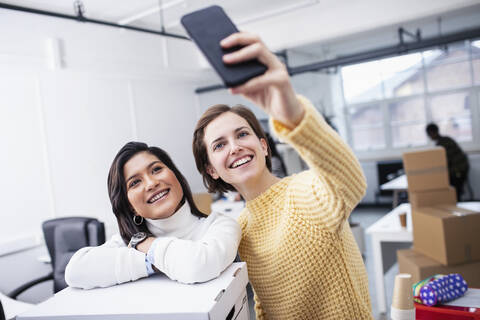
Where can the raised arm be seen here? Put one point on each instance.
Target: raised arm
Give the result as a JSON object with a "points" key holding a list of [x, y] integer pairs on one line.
{"points": [[297, 121], [106, 265], [326, 154]]}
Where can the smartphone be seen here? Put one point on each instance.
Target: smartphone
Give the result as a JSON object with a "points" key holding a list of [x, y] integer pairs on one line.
{"points": [[207, 27]]}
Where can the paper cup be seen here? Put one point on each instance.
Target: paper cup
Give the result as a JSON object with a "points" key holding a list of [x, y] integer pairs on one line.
{"points": [[403, 292], [397, 314]]}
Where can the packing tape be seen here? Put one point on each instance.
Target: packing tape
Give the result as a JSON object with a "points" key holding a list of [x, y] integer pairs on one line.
{"points": [[425, 171], [398, 314]]}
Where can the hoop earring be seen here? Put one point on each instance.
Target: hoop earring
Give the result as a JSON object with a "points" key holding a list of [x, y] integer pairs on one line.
{"points": [[135, 220]]}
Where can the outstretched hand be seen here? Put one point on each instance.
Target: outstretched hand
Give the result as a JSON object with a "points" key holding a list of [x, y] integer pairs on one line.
{"points": [[271, 91]]}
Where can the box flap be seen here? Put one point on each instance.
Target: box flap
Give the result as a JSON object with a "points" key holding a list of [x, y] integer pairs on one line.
{"points": [[445, 211], [424, 159], [456, 211], [445, 196]]}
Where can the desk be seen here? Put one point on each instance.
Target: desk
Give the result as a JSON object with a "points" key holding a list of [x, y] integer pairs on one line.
{"points": [[156, 297], [388, 229], [397, 185]]}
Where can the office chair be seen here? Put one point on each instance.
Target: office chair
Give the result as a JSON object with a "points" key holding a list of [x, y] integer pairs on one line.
{"points": [[63, 237]]}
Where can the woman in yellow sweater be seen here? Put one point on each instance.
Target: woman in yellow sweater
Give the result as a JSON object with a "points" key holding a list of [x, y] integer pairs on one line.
{"points": [[302, 259]]}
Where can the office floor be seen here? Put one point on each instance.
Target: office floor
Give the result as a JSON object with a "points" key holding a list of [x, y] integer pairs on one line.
{"points": [[366, 217]]}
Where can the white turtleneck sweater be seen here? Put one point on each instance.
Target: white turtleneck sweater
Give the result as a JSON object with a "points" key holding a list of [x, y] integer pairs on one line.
{"points": [[188, 249]]}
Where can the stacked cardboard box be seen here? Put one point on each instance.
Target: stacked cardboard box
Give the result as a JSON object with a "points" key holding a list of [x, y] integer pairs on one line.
{"points": [[420, 267], [446, 238]]}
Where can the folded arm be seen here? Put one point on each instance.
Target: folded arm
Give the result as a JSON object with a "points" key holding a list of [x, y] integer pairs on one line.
{"points": [[106, 265], [200, 260]]}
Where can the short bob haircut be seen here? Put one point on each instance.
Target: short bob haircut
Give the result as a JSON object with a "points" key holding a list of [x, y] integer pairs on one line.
{"points": [[432, 128], [200, 150], [117, 189]]}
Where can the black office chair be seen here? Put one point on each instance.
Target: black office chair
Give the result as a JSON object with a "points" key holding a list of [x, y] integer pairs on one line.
{"points": [[63, 237]]}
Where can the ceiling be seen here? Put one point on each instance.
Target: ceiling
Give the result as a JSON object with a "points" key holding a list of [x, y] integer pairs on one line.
{"points": [[281, 23]]}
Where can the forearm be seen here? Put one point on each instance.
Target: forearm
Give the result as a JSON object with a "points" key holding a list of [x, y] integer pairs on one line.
{"points": [[191, 261], [104, 267], [326, 153]]}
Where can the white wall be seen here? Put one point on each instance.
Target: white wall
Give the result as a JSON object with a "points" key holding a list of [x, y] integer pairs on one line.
{"points": [[62, 126]]}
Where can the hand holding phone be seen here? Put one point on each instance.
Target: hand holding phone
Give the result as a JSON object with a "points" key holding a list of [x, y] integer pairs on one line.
{"points": [[207, 27]]}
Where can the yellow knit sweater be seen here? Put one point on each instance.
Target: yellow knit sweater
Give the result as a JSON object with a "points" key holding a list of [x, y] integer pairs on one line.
{"points": [[302, 259]]}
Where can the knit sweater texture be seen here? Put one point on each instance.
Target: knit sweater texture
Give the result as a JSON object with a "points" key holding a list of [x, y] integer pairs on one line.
{"points": [[302, 258]]}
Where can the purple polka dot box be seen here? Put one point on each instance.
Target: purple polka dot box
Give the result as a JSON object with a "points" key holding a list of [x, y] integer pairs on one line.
{"points": [[443, 289]]}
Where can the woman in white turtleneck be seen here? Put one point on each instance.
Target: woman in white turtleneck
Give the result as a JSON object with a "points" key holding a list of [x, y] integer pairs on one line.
{"points": [[159, 221]]}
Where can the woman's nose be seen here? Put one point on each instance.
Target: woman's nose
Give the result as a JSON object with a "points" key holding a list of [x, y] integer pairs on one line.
{"points": [[150, 182], [234, 147]]}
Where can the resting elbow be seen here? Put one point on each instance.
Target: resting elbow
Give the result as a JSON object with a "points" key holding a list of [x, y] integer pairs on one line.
{"points": [[74, 276], [197, 275]]}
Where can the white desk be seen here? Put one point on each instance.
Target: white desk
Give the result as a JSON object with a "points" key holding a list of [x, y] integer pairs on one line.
{"points": [[396, 185], [151, 298], [388, 229]]}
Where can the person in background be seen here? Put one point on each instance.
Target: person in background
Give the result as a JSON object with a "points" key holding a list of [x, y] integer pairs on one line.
{"points": [[161, 224], [457, 160], [303, 261]]}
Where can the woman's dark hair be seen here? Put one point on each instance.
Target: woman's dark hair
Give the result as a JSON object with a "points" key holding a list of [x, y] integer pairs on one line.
{"points": [[117, 190], [200, 150], [282, 170]]}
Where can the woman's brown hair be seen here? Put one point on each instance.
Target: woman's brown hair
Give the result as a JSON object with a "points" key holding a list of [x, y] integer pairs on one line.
{"points": [[200, 150]]}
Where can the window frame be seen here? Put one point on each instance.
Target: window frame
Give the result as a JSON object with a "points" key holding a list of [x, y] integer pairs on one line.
{"points": [[394, 152]]}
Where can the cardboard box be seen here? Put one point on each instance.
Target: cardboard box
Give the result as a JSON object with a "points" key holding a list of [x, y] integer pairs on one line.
{"points": [[421, 267], [155, 297], [426, 169], [447, 233], [432, 197]]}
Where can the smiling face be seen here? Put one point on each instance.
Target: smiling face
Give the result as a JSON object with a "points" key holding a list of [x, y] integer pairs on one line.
{"points": [[235, 153], [152, 188]]}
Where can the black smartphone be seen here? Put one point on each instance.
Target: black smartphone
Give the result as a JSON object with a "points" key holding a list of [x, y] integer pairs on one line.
{"points": [[207, 27]]}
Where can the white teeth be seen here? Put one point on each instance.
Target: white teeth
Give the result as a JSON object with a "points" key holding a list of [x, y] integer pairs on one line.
{"points": [[158, 196], [241, 161]]}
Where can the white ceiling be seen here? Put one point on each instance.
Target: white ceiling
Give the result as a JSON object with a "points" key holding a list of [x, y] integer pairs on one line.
{"points": [[281, 23]]}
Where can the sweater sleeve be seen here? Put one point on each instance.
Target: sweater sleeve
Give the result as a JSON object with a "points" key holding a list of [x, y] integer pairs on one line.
{"points": [[259, 312], [331, 160], [190, 261], [106, 265]]}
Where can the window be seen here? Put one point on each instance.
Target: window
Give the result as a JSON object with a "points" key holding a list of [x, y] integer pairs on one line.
{"points": [[367, 127], [452, 114], [448, 68], [402, 76], [361, 82], [407, 120], [410, 91], [475, 51]]}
